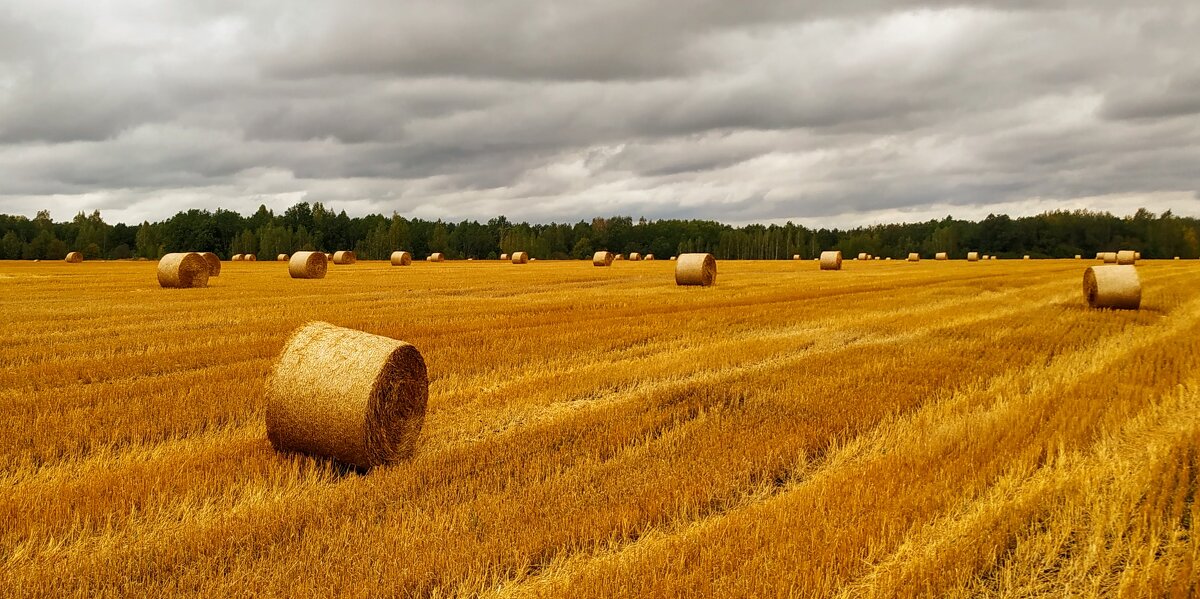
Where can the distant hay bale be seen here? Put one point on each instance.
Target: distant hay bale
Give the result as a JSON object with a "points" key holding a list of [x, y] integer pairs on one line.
{"points": [[344, 257], [74, 257], [602, 259], [1109, 257], [1025, 257], [649, 257], [1112, 286], [504, 256], [695, 269], [674, 258], [183, 270], [972, 256], [888, 258], [520, 257], [533, 259], [634, 256], [436, 257], [308, 265], [238, 257], [281, 258], [863, 256], [1078, 256], [1137, 255], [344, 394], [941, 256], [214, 263], [618, 257], [1176, 257], [401, 258], [914, 257], [831, 260], [794, 257], [1126, 257], [250, 258], [1099, 255]]}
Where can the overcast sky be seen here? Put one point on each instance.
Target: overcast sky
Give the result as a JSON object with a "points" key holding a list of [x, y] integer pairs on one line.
{"points": [[821, 112]]}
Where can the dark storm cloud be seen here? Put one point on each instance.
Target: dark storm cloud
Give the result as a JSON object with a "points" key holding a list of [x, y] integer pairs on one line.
{"points": [[735, 111]]}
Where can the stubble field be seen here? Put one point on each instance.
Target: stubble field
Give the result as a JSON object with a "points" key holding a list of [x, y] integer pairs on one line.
{"points": [[940, 428]]}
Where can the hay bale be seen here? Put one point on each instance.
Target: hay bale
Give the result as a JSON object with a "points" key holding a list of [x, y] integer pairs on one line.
{"points": [[74, 257], [1137, 255], [400, 258], [941, 256], [183, 270], [602, 259], [831, 260], [344, 394], [1109, 257], [674, 258], [619, 257], [1176, 257], [250, 258], [1126, 257], [308, 265], [1025, 257], [214, 263], [1078, 256], [533, 259], [344, 257], [237, 257], [520, 257], [1112, 286], [862, 256], [972, 256], [695, 269], [436, 257], [914, 257], [648, 257], [281, 258], [504, 256], [1099, 255], [794, 257], [634, 256]]}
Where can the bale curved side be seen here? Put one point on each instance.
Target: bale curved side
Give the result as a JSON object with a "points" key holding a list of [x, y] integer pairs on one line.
{"points": [[635, 256], [602, 259], [281, 257], [437, 257], [74, 257], [520, 257], [972, 256], [401, 258], [344, 257], [914, 257], [695, 269], [1112, 286], [941, 256], [214, 263], [308, 265], [831, 260], [1126, 257], [250, 258], [344, 394], [1109, 257], [183, 270], [237, 257]]}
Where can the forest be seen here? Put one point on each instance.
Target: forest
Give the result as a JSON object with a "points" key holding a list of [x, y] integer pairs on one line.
{"points": [[306, 226]]}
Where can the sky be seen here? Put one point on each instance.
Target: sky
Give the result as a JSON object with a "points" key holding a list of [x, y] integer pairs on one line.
{"points": [[825, 113]]}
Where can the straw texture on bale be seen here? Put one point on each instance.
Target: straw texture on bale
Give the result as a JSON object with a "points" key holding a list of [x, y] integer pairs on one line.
{"points": [[437, 257], [695, 269], [1112, 286], [344, 257], [520, 257], [504, 256], [401, 258], [214, 263], [1137, 255], [348, 395], [914, 257], [250, 258], [183, 270], [649, 257], [1109, 257], [831, 260], [635, 256], [1099, 255], [74, 257], [972, 256], [281, 258], [941, 256], [308, 265], [862, 255], [237, 257], [602, 259], [1126, 257]]}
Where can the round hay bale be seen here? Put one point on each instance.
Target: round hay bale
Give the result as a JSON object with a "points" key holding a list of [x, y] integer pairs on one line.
{"points": [[618, 257], [888, 258], [972, 256], [1109, 257], [437, 257], [214, 263], [74, 257], [504, 256], [1112, 286], [281, 258], [634, 256], [649, 257], [1025, 257], [520, 257], [914, 257], [1079, 256], [343, 394], [1099, 255], [1137, 255], [308, 265], [863, 256], [533, 259], [1176, 257], [695, 269], [831, 260], [1126, 257], [941, 256], [344, 257], [250, 258], [794, 257], [237, 257], [183, 270], [401, 258], [602, 259], [674, 258]]}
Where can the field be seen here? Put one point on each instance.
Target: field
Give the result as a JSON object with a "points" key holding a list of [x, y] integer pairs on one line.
{"points": [[940, 428]]}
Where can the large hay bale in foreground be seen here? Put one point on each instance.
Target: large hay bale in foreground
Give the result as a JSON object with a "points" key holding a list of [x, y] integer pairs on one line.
{"points": [[344, 257], [972, 256], [214, 263], [602, 259], [520, 257], [436, 257], [308, 265], [74, 257], [695, 269], [831, 260], [281, 257], [401, 258], [941, 256], [183, 270], [1112, 286], [1109, 257], [914, 257], [348, 395], [1126, 257]]}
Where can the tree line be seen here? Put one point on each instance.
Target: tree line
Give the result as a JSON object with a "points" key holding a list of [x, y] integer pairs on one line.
{"points": [[305, 226]]}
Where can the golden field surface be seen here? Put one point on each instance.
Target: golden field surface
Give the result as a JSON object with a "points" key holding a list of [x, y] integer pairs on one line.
{"points": [[892, 429]]}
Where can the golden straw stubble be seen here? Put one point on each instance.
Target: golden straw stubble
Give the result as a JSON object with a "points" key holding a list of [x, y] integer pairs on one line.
{"points": [[348, 395], [1112, 286], [183, 270], [308, 265], [696, 269]]}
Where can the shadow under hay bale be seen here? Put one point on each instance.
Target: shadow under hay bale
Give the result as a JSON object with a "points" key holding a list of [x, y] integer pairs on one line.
{"points": [[182, 271], [695, 269], [1112, 286], [347, 395], [308, 265]]}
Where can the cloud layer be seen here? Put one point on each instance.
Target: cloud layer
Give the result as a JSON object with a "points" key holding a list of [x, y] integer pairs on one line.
{"points": [[826, 113]]}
